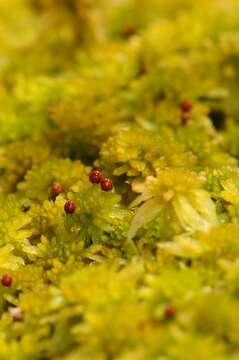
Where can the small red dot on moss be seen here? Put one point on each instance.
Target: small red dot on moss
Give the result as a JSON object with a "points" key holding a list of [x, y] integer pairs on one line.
{"points": [[70, 207], [186, 106], [6, 280], [95, 176], [129, 31], [169, 312], [57, 188], [106, 184]]}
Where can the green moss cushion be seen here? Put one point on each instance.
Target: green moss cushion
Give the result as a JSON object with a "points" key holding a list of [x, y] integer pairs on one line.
{"points": [[138, 260]]}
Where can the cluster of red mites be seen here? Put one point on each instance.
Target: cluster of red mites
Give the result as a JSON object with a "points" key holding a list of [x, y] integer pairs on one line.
{"points": [[97, 178], [70, 206], [186, 107], [57, 189]]}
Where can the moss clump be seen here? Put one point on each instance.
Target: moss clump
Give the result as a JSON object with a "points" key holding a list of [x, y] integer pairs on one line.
{"points": [[146, 92]]}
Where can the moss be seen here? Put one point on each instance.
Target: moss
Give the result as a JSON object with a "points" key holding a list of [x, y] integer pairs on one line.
{"points": [[98, 84]]}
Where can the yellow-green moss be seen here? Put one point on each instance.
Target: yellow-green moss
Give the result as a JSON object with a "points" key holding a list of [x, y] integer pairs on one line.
{"points": [[86, 83]]}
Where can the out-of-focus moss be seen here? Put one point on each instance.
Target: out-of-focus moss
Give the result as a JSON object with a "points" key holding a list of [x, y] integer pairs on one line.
{"points": [[147, 270]]}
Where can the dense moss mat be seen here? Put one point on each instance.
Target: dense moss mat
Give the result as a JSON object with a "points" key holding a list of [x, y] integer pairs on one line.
{"points": [[147, 92]]}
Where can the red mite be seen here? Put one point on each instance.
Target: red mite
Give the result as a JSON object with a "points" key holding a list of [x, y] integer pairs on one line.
{"points": [[106, 184], [95, 176], [169, 312], [57, 188], [186, 106], [129, 31], [6, 280], [70, 207]]}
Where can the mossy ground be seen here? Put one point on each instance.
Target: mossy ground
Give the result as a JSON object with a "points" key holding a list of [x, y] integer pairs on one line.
{"points": [[149, 270]]}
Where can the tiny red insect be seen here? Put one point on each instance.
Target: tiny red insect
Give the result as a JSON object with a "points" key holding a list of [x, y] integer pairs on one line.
{"points": [[70, 207], [106, 184], [95, 176], [186, 106], [169, 312], [57, 188], [6, 280], [129, 31]]}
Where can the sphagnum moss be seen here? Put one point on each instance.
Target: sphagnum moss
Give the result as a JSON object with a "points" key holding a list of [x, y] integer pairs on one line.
{"points": [[139, 257]]}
